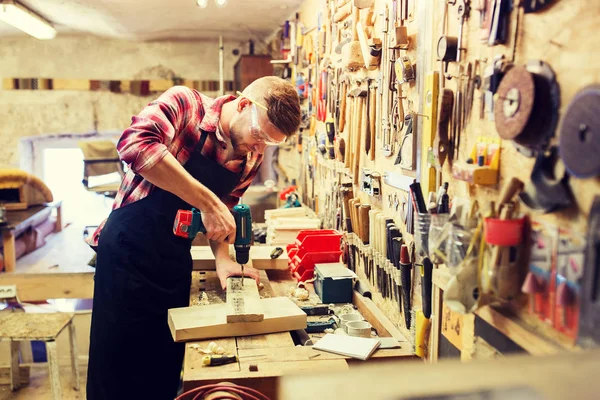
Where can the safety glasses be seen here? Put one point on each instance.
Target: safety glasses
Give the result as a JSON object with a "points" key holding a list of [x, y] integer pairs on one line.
{"points": [[255, 131]]}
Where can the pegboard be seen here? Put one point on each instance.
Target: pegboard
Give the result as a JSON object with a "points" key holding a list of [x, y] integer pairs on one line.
{"points": [[561, 35]]}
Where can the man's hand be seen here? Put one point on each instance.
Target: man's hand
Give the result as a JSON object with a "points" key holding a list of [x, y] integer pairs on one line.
{"points": [[219, 223], [227, 267]]}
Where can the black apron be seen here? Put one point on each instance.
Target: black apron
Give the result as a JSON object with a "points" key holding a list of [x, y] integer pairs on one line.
{"points": [[142, 270]]}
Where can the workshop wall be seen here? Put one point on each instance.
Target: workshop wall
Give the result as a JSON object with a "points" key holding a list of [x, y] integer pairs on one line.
{"points": [[560, 35], [30, 113]]}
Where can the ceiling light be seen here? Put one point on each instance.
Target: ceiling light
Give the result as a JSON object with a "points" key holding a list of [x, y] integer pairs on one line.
{"points": [[202, 3], [220, 3], [26, 20]]}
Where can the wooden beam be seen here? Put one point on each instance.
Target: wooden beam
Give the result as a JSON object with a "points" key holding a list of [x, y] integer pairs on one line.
{"points": [[57, 285], [243, 301], [376, 317], [203, 258], [205, 322]]}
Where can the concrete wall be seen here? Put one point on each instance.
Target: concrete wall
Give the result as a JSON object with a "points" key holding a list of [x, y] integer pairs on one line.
{"points": [[32, 113]]}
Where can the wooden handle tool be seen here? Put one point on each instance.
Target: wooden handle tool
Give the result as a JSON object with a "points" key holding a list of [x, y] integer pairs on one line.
{"points": [[363, 215]]}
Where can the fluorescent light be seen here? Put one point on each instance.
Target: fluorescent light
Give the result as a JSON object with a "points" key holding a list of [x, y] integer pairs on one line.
{"points": [[221, 3], [26, 20], [202, 3]]}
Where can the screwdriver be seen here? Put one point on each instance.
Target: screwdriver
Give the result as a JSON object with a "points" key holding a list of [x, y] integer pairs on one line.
{"points": [[217, 359]]}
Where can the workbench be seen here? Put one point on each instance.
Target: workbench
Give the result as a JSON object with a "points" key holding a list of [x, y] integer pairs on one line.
{"points": [[274, 355], [21, 220]]}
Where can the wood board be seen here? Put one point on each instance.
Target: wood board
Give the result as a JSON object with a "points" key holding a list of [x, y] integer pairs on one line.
{"points": [[203, 258], [243, 301], [205, 322]]}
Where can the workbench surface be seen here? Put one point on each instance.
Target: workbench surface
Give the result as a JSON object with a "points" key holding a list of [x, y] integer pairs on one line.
{"points": [[273, 354]]}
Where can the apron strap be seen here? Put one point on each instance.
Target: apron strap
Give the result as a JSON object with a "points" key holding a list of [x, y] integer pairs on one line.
{"points": [[202, 140]]}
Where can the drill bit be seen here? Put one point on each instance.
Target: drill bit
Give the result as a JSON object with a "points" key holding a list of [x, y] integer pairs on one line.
{"points": [[242, 265]]}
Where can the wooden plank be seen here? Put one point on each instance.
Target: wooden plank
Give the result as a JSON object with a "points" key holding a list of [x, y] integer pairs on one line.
{"points": [[23, 375], [204, 322], [43, 286], [376, 318], [203, 258], [269, 341], [528, 340], [32, 326], [243, 301], [565, 376]]}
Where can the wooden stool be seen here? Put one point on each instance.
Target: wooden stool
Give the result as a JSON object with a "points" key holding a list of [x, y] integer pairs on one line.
{"points": [[19, 326]]}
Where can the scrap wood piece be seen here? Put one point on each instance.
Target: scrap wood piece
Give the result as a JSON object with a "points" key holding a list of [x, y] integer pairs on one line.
{"points": [[206, 322], [243, 301]]}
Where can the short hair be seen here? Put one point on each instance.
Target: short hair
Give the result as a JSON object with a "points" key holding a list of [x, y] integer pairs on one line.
{"points": [[281, 99]]}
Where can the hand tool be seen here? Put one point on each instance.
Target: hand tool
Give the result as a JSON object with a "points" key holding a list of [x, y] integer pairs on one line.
{"points": [[499, 24], [319, 309], [362, 288], [589, 320], [368, 132], [579, 141], [189, 222], [526, 107], [363, 216], [426, 285], [393, 234], [429, 124], [218, 359], [373, 242], [373, 118], [343, 105], [441, 145], [399, 36], [463, 11], [352, 53], [408, 123], [548, 189], [405, 272], [397, 244], [277, 251], [320, 326]]}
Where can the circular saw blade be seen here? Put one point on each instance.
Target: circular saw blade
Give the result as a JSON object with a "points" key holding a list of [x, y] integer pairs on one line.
{"points": [[580, 134]]}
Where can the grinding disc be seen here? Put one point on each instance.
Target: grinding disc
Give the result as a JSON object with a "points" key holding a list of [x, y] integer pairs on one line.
{"points": [[580, 134], [514, 104], [526, 108]]}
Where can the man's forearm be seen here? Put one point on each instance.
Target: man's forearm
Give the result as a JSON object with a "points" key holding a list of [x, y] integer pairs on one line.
{"points": [[169, 175], [220, 250]]}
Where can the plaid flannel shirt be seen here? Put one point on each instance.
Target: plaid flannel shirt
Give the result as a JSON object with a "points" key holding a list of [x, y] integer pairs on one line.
{"points": [[172, 124]]}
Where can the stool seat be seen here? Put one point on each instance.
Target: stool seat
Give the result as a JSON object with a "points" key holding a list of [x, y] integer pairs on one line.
{"points": [[21, 326], [32, 326]]}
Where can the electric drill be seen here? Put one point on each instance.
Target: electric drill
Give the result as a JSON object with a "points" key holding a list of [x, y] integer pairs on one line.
{"points": [[189, 222]]}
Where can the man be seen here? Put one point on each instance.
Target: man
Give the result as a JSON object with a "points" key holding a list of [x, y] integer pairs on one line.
{"points": [[184, 150]]}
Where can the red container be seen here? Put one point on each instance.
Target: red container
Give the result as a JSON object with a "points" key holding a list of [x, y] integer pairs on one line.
{"points": [[504, 232], [303, 268]]}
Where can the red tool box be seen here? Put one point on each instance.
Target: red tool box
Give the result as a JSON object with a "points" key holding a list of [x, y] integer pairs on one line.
{"points": [[313, 246]]}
